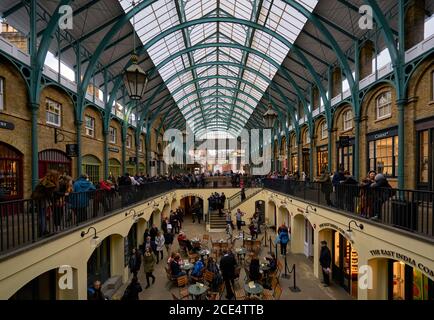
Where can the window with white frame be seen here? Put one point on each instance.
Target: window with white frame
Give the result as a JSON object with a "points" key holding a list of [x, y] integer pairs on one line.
{"points": [[2, 94], [53, 111], [129, 140], [90, 126], [324, 130], [348, 120], [384, 105], [112, 135]]}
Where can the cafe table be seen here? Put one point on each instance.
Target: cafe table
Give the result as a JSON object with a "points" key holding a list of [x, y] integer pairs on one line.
{"points": [[187, 266], [197, 290], [253, 288]]}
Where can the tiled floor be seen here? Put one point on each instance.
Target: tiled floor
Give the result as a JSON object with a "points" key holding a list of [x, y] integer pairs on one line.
{"points": [[311, 287]]}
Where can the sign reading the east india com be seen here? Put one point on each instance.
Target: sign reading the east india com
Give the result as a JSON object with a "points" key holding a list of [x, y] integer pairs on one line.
{"points": [[399, 256]]}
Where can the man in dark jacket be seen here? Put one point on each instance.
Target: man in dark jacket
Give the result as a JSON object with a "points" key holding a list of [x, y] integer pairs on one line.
{"points": [[325, 260], [382, 192], [133, 289], [338, 179], [227, 267], [153, 232], [95, 292], [135, 262]]}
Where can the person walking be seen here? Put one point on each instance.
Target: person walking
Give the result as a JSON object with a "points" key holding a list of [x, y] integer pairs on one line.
{"points": [[135, 262], [168, 240], [325, 260], [227, 267], [239, 218], [159, 241], [95, 293], [133, 290], [148, 265], [153, 232], [283, 239]]}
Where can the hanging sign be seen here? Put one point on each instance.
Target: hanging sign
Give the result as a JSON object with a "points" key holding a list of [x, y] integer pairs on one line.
{"points": [[7, 125], [72, 150]]}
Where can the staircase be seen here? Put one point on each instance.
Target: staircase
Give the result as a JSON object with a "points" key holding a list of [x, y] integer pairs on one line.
{"points": [[235, 200], [217, 223]]}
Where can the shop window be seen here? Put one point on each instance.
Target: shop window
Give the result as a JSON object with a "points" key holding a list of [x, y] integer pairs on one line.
{"points": [[348, 120], [11, 173], [114, 168], [424, 156], [141, 146], [322, 159], [2, 94], [294, 162], [112, 135], [53, 160], [91, 167], [129, 140], [324, 130], [53, 112], [90, 126], [384, 105], [383, 156], [306, 137]]}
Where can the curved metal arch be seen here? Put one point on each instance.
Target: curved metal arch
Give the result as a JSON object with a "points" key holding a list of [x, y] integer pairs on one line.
{"points": [[191, 115], [225, 77], [194, 117], [243, 48], [213, 129], [203, 125], [333, 43], [236, 46]]}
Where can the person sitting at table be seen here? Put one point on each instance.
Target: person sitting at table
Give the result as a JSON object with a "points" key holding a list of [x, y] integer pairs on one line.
{"points": [[254, 270], [198, 268], [272, 262], [175, 267], [183, 241], [171, 258]]}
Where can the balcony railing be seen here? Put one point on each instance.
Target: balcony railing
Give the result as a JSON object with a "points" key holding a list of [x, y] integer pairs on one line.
{"points": [[24, 222], [405, 209]]}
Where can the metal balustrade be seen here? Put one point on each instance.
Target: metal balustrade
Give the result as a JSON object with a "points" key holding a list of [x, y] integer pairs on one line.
{"points": [[411, 210], [23, 222]]}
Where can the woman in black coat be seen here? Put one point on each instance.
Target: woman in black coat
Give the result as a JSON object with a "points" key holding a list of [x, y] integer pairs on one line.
{"points": [[132, 291]]}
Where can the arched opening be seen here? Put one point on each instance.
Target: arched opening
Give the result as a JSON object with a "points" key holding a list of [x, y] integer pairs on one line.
{"points": [[11, 173], [284, 217], [130, 243], [260, 210], [298, 234], [46, 286], [91, 166], [344, 260], [308, 239], [192, 204], [271, 215], [98, 265], [52, 159], [396, 280]]}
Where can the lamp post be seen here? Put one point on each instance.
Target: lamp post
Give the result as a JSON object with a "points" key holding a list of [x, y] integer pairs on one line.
{"points": [[95, 241]]}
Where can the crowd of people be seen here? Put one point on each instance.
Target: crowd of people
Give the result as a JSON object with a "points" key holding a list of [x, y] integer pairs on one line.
{"points": [[341, 189]]}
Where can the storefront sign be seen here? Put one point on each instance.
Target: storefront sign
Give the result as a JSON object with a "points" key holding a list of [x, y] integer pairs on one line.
{"points": [[337, 228], [399, 256], [113, 149], [382, 134], [72, 150], [7, 125]]}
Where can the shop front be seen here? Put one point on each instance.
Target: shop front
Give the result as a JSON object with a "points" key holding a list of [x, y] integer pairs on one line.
{"points": [[344, 264], [54, 160], [308, 239], [408, 283], [383, 152], [345, 150], [98, 265], [321, 159], [11, 173], [425, 154]]}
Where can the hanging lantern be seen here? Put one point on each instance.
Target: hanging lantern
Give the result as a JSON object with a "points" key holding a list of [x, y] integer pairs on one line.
{"points": [[135, 80], [270, 117]]}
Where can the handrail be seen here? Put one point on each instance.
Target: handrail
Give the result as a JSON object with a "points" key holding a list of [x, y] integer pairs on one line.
{"points": [[411, 210]]}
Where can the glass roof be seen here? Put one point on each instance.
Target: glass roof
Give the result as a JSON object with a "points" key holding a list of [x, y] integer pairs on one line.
{"points": [[223, 83]]}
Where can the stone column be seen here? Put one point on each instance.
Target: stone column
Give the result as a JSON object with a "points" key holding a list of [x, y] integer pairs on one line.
{"points": [[414, 23]]}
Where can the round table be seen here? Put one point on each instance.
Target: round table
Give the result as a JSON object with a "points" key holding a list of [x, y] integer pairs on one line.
{"points": [[187, 267], [197, 290], [204, 252], [256, 290]]}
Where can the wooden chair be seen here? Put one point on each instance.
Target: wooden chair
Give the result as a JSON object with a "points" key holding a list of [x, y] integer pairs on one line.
{"points": [[276, 294], [208, 276], [192, 256], [269, 293], [198, 279], [182, 281]]}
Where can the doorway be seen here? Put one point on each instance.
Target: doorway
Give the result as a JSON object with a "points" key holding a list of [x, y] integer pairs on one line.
{"points": [[308, 239], [306, 161]]}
